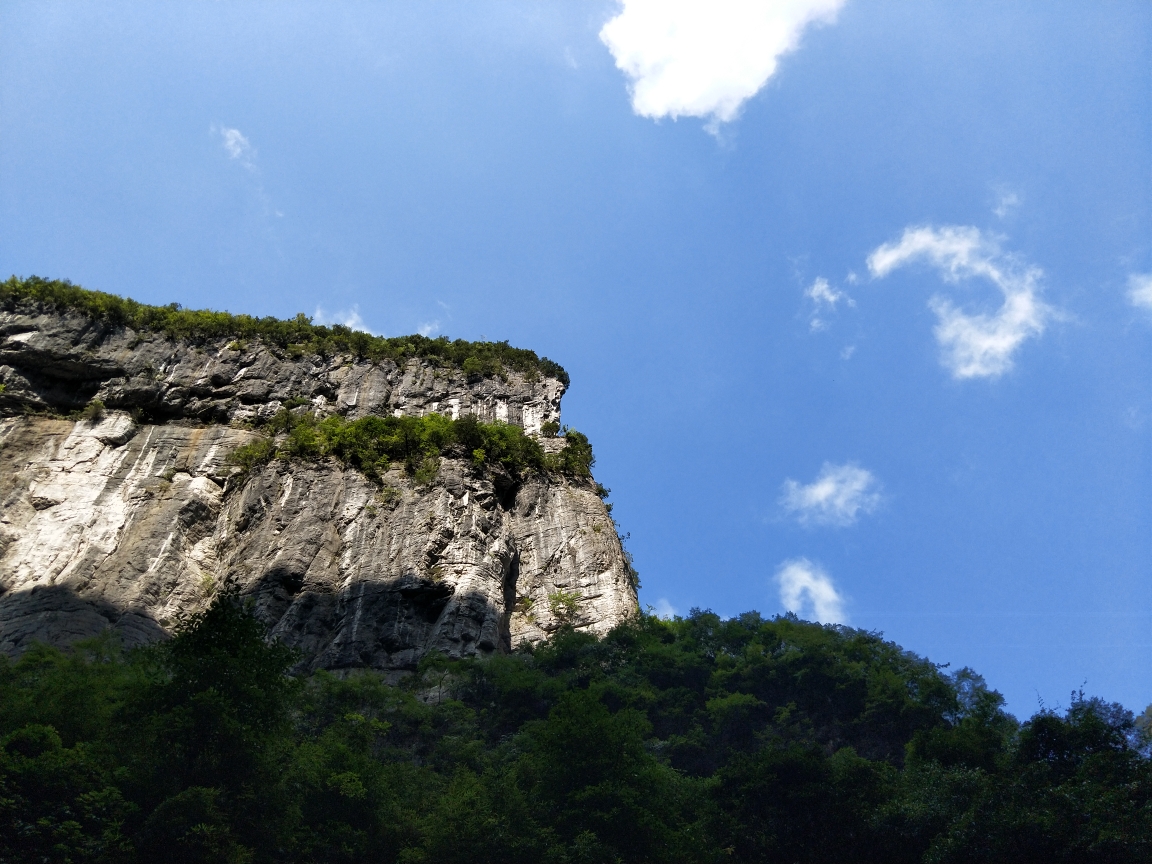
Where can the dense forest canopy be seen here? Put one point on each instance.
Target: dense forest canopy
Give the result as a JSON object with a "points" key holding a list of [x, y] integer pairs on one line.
{"points": [[691, 740], [297, 336]]}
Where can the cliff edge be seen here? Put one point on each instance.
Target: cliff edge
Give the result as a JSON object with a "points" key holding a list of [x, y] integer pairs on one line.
{"points": [[122, 505]]}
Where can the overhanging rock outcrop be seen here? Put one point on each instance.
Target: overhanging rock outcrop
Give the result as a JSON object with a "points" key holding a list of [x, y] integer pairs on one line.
{"points": [[134, 517]]}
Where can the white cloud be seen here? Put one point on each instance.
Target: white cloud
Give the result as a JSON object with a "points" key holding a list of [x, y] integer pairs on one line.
{"points": [[1140, 290], [236, 146], [429, 327], [704, 58], [981, 345], [1008, 202], [235, 143], [838, 495], [824, 296], [807, 591], [820, 293], [350, 318], [664, 609], [240, 149]]}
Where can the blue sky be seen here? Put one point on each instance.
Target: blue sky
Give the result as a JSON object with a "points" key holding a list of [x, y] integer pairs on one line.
{"points": [[855, 296]]}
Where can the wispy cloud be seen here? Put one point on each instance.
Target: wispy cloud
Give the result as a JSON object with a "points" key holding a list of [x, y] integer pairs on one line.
{"points": [[705, 58], [824, 299], [838, 495], [807, 591], [664, 609], [429, 327], [1140, 290], [236, 145], [1007, 202], [980, 345], [350, 318]]}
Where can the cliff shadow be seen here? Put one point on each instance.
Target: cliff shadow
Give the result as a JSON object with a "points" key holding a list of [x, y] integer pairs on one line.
{"points": [[58, 616]]}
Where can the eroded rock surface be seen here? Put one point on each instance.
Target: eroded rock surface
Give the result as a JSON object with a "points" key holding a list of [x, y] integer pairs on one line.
{"points": [[131, 523], [60, 362]]}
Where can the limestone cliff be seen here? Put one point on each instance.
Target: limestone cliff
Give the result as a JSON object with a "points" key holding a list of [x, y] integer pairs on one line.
{"points": [[134, 517]]}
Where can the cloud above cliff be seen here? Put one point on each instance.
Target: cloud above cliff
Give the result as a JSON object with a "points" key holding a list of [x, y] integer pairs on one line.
{"points": [[838, 495], [705, 58], [350, 318], [808, 592], [979, 345], [1140, 290]]}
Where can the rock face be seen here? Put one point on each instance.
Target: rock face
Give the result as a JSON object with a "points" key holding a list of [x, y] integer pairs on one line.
{"points": [[132, 519], [60, 362]]}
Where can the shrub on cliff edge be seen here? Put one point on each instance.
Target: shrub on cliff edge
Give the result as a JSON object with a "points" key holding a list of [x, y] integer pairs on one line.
{"points": [[372, 444]]}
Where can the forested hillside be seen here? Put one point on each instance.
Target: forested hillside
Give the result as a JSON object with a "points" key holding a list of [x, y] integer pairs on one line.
{"points": [[694, 740]]}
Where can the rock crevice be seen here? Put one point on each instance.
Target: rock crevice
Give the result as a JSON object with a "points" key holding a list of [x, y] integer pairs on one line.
{"points": [[134, 518]]}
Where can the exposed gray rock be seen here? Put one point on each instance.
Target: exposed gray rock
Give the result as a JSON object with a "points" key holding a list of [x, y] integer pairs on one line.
{"points": [[60, 362], [133, 523]]}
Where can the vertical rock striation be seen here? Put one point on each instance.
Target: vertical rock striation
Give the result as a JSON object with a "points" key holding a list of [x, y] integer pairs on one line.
{"points": [[134, 517]]}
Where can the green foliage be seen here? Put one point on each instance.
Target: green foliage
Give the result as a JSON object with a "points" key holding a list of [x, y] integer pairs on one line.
{"points": [[477, 367], [426, 472], [576, 459], [297, 337], [590, 777], [76, 693], [191, 827], [389, 496], [93, 412], [254, 453], [372, 444], [215, 697], [57, 803], [693, 740], [565, 607]]}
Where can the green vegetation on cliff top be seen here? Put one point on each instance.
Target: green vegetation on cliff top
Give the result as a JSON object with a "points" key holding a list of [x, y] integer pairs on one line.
{"points": [[371, 444], [296, 335], [692, 740]]}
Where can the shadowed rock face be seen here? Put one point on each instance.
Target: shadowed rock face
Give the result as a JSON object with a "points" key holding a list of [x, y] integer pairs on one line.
{"points": [[129, 524]]}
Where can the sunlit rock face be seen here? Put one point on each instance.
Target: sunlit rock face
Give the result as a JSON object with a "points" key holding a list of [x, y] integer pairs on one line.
{"points": [[60, 362], [130, 524]]}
